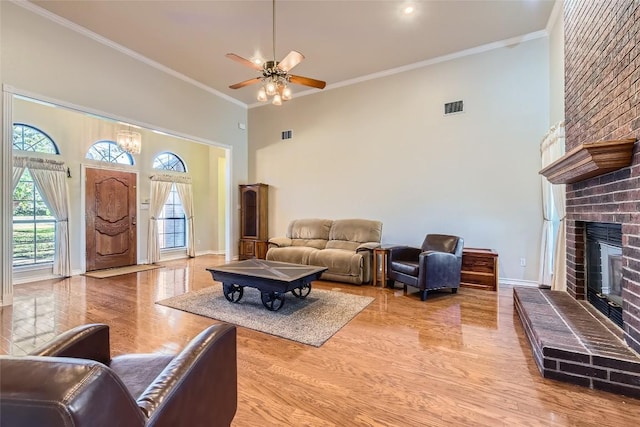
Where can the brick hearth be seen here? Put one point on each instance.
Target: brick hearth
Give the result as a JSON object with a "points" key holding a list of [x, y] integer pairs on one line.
{"points": [[575, 344]]}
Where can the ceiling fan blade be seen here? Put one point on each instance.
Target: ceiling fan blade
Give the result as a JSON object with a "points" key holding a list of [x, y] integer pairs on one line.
{"points": [[307, 81], [246, 83], [243, 61], [292, 59]]}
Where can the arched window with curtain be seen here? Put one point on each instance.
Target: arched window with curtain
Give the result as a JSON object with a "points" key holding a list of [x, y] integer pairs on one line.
{"points": [[171, 208], [40, 202]]}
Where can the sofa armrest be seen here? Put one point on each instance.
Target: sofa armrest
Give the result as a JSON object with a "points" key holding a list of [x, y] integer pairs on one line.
{"points": [[62, 392], [199, 386], [368, 246], [83, 342], [279, 242], [440, 268]]}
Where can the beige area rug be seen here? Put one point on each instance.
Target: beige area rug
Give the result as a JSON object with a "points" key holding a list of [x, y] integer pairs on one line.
{"points": [[312, 320], [110, 272]]}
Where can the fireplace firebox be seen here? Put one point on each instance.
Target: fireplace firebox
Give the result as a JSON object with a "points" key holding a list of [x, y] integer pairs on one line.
{"points": [[604, 268]]}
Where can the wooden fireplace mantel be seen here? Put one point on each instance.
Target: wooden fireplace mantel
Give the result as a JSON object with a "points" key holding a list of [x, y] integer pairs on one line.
{"points": [[590, 159]]}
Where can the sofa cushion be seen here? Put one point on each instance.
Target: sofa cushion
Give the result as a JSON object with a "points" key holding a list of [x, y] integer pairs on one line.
{"points": [[293, 254], [312, 243], [338, 261], [407, 267], [342, 244], [356, 230], [309, 229]]}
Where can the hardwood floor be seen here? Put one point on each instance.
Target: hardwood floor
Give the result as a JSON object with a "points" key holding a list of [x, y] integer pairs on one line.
{"points": [[459, 360]]}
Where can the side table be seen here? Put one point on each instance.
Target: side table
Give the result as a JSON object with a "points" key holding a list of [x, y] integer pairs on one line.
{"points": [[380, 258]]}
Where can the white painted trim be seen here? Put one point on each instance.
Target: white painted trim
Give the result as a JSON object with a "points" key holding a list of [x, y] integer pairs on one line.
{"points": [[131, 53], [30, 279], [518, 282], [553, 17], [210, 252], [107, 116], [6, 184], [444, 58]]}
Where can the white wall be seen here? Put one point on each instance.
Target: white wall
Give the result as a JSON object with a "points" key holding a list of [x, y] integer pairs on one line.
{"points": [[556, 66], [383, 150]]}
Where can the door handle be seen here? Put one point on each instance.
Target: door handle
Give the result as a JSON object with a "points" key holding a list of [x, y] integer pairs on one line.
{"points": [[133, 220]]}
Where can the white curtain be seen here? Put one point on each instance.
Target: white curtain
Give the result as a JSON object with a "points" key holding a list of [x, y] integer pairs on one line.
{"points": [[50, 178], [553, 210], [186, 197], [159, 194], [17, 174], [559, 200]]}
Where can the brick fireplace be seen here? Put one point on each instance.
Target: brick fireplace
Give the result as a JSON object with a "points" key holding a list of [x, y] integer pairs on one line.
{"points": [[602, 102]]}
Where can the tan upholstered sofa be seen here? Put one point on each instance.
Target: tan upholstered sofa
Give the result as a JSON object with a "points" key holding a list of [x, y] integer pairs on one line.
{"points": [[344, 246]]}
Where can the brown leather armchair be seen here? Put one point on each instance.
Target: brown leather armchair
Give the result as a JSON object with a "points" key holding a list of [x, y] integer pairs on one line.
{"points": [[73, 381], [435, 265]]}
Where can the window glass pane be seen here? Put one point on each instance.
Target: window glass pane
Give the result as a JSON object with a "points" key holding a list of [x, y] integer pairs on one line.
{"points": [[172, 222], [110, 152], [29, 138], [170, 162], [33, 225]]}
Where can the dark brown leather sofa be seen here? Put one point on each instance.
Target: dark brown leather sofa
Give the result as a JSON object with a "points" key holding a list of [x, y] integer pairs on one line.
{"points": [[73, 381], [435, 265]]}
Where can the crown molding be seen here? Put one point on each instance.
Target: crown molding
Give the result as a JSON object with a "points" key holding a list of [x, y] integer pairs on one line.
{"points": [[131, 53], [444, 58]]}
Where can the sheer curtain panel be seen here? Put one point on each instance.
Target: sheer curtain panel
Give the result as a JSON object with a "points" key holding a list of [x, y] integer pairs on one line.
{"points": [[553, 245], [186, 197], [50, 178], [159, 194]]}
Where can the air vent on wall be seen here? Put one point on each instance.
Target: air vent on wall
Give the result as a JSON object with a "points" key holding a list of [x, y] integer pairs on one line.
{"points": [[287, 134], [453, 107]]}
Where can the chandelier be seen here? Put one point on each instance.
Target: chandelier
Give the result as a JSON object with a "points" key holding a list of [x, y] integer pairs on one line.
{"points": [[129, 141]]}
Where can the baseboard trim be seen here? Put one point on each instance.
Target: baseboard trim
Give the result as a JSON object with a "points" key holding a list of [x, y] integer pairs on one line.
{"points": [[518, 282]]}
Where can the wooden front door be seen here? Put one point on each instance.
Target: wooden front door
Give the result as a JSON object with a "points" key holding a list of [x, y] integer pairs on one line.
{"points": [[110, 218]]}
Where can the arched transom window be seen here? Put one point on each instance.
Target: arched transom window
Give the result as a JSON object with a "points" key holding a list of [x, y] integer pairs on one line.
{"points": [[110, 152], [29, 138], [170, 162]]}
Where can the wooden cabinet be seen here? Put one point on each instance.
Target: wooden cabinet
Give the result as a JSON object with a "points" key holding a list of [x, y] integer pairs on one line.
{"points": [[254, 234], [253, 249], [480, 269]]}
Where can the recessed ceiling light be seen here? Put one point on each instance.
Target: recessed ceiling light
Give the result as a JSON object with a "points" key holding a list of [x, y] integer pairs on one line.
{"points": [[408, 10], [257, 61]]}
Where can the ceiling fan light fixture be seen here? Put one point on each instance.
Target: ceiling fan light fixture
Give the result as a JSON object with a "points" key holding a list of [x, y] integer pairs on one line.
{"points": [[271, 88], [286, 93], [275, 75], [262, 95]]}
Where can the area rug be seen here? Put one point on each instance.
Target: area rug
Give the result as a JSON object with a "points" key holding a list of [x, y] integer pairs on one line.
{"points": [[312, 320], [110, 272]]}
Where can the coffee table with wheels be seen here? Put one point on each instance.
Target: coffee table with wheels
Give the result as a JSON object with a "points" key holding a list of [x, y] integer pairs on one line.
{"points": [[273, 279]]}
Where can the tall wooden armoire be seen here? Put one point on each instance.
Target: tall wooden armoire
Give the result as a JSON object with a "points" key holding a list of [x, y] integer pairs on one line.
{"points": [[254, 234]]}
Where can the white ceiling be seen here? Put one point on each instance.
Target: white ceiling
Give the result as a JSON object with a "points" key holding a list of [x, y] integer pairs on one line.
{"points": [[341, 40]]}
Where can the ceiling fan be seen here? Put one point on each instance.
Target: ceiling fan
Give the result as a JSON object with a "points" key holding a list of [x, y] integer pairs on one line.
{"points": [[275, 75]]}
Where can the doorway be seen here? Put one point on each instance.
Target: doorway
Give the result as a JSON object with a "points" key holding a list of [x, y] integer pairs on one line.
{"points": [[110, 218]]}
